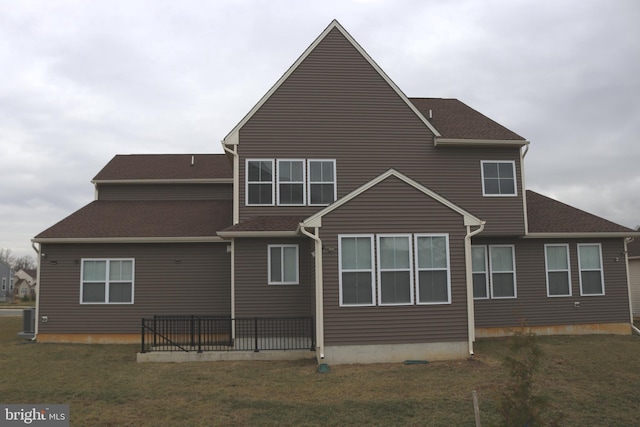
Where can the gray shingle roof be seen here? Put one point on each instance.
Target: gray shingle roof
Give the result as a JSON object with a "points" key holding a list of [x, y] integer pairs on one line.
{"points": [[166, 166]]}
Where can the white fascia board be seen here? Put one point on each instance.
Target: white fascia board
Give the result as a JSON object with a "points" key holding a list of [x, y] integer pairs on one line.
{"points": [[459, 142], [164, 181], [232, 137], [205, 239], [316, 219], [583, 235], [233, 234]]}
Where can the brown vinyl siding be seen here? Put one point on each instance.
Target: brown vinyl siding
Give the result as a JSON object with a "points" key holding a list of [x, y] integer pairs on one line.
{"points": [[336, 106], [393, 207], [165, 192], [254, 297], [532, 306], [170, 279]]}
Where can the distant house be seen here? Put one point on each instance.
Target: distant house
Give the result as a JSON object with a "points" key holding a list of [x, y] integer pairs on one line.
{"points": [[399, 228], [633, 250], [24, 284], [6, 282]]}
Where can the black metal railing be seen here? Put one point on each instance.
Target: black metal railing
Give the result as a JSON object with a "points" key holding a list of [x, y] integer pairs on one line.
{"points": [[220, 333]]}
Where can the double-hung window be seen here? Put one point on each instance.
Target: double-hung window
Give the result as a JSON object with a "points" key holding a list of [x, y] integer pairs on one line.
{"points": [[395, 281], [590, 265], [107, 281], [432, 266], [480, 272], [4, 283], [283, 264], [503, 271], [322, 182], [558, 273], [260, 188], [356, 270], [291, 189], [499, 178]]}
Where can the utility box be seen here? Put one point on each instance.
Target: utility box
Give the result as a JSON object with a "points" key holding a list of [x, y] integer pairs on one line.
{"points": [[28, 323]]}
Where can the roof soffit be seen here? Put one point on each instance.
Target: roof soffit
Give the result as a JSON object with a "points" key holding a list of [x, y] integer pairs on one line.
{"points": [[232, 137]]}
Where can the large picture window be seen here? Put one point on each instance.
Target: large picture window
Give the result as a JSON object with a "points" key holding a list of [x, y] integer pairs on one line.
{"points": [[395, 282], [291, 189], [499, 178], [558, 273], [356, 270], [259, 182], [590, 264], [503, 271], [480, 272], [322, 182], [432, 266], [107, 281], [283, 264]]}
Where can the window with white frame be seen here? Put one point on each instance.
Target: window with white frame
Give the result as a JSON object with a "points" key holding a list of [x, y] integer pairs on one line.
{"points": [[322, 182], [590, 265], [260, 189], [291, 188], [107, 281], [480, 272], [499, 178], [395, 281], [356, 270], [432, 269], [283, 264], [4, 283], [503, 271], [558, 272]]}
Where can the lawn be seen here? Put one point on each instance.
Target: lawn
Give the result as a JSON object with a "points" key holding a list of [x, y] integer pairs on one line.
{"points": [[590, 380]]}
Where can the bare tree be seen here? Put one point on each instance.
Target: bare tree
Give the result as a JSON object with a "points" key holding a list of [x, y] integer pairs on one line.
{"points": [[6, 256], [25, 262]]}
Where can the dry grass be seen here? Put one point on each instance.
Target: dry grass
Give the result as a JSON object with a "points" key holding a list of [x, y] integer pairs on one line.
{"points": [[592, 380]]}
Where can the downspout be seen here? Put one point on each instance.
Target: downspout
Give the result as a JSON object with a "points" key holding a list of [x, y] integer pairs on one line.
{"points": [[236, 183], [471, 322], [626, 260], [524, 189], [37, 319], [319, 293], [233, 288]]}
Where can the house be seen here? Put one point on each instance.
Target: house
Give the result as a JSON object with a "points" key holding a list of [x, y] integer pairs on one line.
{"points": [[6, 281], [401, 227], [633, 249], [25, 284]]}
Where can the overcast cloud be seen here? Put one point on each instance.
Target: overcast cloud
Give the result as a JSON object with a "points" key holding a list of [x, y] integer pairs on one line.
{"points": [[82, 81]]}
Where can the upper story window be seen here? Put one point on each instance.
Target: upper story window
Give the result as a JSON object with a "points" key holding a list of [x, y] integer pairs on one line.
{"points": [[107, 281], [590, 265], [322, 182], [291, 189], [499, 178], [558, 272], [290, 182], [259, 189]]}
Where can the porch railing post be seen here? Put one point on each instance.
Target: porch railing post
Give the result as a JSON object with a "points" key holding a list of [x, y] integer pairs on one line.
{"points": [[143, 332], [155, 332], [255, 334], [199, 335]]}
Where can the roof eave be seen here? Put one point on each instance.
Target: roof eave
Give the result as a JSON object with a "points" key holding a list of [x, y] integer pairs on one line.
{"points": [[464, 142], [68, 240], [164, 181], [253, 233], [578, 235]]}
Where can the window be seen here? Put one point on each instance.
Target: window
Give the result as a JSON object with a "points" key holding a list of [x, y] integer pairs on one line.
{"points": [[291, 190], [395, 282], [4, 283], [259, 182], [590, 265], [322, 182], [503, 272], [283, 264], [432, 266], [356, 270], [499, 178], [107, 281], [558, 274], [23, 292], [480, 272]]}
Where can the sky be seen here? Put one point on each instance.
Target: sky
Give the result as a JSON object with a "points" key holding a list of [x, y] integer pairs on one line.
{"points": [[82, 81]]}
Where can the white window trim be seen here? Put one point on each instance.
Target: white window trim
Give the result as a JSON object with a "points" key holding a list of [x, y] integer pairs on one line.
{"points": [[515, 178], [303, 183], [418, 269], [247, 182], [309, 183], [513, 272], [108, 281], [547, 270], [486, 273], [4, 283], [580, 269], [281, 247], [380, 270], [371, 270]]}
